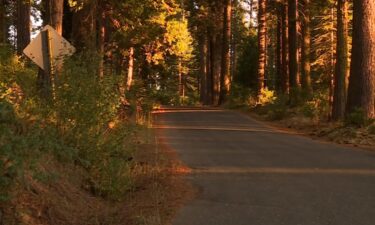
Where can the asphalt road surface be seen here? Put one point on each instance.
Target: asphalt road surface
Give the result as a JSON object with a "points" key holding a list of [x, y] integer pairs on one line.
{"points": [[250, 174]]}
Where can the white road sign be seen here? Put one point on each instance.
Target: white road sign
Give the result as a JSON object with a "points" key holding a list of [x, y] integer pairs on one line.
{"points": [[60, 48]]}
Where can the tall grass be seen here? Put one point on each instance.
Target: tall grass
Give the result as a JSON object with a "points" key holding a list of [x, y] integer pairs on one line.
{"points": [[78, 126]]}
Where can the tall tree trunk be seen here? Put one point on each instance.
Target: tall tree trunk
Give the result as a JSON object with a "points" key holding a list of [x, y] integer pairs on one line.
{"points": [[293, 51], [342, 63], [361, 93], [216, 67], [225, 82], [278, 58], [234, 32], [261, 45], [56, 15], [101, 39], [53, 11], [285, 49], [84, 26], [129, 80], [306, 50], [67, 20], [203, 67], [333, 59], [23, 24], [209, 61], [3, 23], [180, 80]]}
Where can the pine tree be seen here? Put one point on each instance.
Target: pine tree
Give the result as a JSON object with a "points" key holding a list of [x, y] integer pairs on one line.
{"points": [[342, 63], [361, 94], [226, 54], [306, 50], [293, 51], [23, 24], [3, 24], [262, 37]]}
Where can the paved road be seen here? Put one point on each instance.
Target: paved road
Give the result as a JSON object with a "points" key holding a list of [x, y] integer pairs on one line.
{"points": [[250, 174]]}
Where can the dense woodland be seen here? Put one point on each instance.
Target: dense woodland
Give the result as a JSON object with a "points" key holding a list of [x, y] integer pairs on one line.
{"points": [[202, 49], [315, 56]]}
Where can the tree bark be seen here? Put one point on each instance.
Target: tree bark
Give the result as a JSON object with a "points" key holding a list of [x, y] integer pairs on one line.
{"points": [[342, 63], [67, 20], [84, 26], [101, 40], [209, 61], [285, 48], [293, 51], [56, 15], [129, 80], [52, 14], [216, 67], [234, 33], [333, 58], [361, 93], [261, 45], [23, 25], [306, 50], [225, 82], [3, 23], [279, 39], [203, 68]]}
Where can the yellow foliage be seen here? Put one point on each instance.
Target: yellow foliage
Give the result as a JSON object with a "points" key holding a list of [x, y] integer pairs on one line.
{"points": [[266, 97]]}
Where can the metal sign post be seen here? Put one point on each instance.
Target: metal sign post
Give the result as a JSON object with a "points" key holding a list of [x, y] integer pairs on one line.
{"points": [[48, 51]]}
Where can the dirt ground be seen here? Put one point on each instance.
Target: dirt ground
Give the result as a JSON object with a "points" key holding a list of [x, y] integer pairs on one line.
{"points": [[324, 131], [159, 190], [161, 187]]}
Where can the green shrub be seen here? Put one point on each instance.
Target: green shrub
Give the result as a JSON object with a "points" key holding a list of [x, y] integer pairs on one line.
{"points": [[310, 110], [239, 96], [278, 110], [110, 163], [371, 129], [356, 118], [85, 108], [316, 108], [79, 126]]}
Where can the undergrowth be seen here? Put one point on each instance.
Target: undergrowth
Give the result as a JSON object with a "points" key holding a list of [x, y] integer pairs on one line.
{"points": [[308, 113], [79, 126]]}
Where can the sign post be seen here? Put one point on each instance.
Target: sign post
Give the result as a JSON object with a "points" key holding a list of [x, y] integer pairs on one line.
{"points": [[46, 47], [48, 51]]}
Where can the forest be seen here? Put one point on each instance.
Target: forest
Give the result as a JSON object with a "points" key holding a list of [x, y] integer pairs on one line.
{"points": [[313, 60]]}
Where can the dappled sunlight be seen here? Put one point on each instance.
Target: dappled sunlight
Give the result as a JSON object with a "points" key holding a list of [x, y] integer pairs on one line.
{"points": [[179, 169]]}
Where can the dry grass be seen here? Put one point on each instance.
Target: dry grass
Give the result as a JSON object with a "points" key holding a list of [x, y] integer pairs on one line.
{"points": [[61, 199], [329, 131]]}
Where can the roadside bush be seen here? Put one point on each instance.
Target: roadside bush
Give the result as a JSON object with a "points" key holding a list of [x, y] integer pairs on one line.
{"points": [[86, 115], [19, 137], [79, 126], [317, 108], [310, 110], [371, 129], [239, 96], [267, 97], [356, 118], [110, 163], [278, 110]]}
